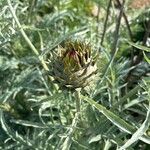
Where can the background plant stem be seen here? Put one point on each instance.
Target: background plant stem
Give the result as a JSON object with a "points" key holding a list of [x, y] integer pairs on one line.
{"points": [[26, 37]]}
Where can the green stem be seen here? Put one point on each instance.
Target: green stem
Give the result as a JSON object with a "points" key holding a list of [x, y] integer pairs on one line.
{"points": [[78, 100], [29, 42], [68, 141], [26, 37]]}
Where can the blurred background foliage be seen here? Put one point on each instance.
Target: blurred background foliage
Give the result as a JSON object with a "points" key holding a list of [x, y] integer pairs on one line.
{"points": [[36, 115]]}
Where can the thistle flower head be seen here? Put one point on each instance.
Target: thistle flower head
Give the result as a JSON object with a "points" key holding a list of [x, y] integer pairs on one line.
{"points": [[74, 67]]}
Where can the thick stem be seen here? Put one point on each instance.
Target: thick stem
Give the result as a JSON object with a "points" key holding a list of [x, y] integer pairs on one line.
{"points": [[78, 100], [68, 141]]}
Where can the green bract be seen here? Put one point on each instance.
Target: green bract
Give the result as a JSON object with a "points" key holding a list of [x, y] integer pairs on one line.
{"points": [[74, 67]]}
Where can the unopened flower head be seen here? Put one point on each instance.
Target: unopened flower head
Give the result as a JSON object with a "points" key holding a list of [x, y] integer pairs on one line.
{"points": [[74, 67]]}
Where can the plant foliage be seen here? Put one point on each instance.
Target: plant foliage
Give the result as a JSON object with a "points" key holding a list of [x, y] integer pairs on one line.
{"points": [[36, 114]]}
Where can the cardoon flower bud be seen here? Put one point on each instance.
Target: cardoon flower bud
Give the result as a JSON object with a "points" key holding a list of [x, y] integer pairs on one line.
{"points": [[74, 66]]}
